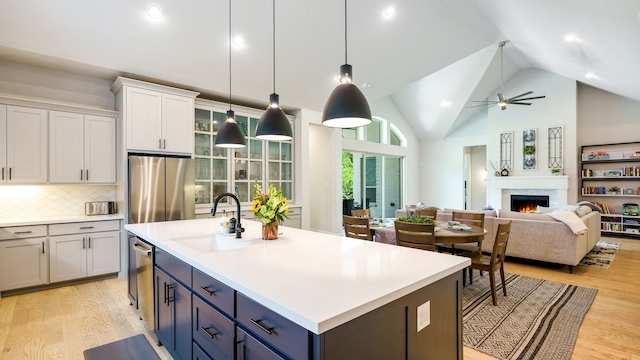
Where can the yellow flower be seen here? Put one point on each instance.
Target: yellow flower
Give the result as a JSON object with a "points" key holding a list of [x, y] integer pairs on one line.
{"points": [[256, 206]]}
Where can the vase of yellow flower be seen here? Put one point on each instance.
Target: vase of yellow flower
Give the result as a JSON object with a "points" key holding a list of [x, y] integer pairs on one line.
{"points": [[271, 208]]}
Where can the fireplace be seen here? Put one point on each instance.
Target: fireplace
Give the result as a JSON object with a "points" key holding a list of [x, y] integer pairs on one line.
{"points": [[528, 203]]}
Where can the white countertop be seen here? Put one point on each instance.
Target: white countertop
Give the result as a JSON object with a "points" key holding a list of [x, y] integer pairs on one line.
{"points": [[58, 219], [316, 280]]}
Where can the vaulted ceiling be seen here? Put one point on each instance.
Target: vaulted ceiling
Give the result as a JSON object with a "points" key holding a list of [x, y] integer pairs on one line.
{"points": [[429, 51]]}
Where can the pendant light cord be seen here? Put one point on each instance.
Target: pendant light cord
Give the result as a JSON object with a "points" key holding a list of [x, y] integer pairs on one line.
{"points": [[274, 46], [501, 70], [230, 54], [345, 32]]}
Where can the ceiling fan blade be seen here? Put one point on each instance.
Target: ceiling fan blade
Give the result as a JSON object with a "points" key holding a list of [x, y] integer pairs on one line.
{"points": [[484, 101], [477, 105], [521, 95], [529, 98], [519, 103]]}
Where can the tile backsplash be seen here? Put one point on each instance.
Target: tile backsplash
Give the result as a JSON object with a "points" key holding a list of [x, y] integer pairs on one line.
{"points": [[26, 201]]}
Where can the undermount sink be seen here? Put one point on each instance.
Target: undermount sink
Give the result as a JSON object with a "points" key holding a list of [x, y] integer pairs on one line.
{"points": [[211, 243]]}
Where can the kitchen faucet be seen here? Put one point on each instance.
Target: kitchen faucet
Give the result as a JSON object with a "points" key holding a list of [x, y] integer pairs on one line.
{"points": [[239, 229]]}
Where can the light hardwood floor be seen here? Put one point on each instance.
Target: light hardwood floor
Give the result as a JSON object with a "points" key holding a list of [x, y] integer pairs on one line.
{"points": [[61, 323]]}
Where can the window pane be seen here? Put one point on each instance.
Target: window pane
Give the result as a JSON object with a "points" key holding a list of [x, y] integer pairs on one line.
{"points": [[218, 151], [203, 169], [373, 131], [219, 188], [203, 193], [274, 170], [202, 120], [274, 150], [255, 148], [286, 171], [255, 170], [286, 151], [202, 144], [286, 190], [242, 190], [218, 120], [371, 172], [243, 122], [252, 128], [241, 170], [395, 140], [219, 169], [349, 133]]}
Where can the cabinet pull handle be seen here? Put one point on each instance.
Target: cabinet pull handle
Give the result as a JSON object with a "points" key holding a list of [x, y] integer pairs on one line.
{"points": [[169, 297], [43, 247], [87, 171], [209, 291], [89, 242], [209, 333], [23, 232], [86, 227], [159, 143], [258, 323], [84, 242], [165, 294], [81, 175], [164, 143], [9, 173], [2, 173]]}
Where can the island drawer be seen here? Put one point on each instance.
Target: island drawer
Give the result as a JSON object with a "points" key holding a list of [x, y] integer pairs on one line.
{"points": [[212, 330], [178, 269], [20, 232], [84, 227], [250, 348], [285, 335], [214, 292]]}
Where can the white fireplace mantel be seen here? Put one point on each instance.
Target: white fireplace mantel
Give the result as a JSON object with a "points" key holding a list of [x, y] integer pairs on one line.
{"points": [[557, 187]]}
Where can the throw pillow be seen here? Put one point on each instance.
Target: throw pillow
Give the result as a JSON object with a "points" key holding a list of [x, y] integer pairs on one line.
{"points": [[487, 213], [590, 204], [544, 209]]}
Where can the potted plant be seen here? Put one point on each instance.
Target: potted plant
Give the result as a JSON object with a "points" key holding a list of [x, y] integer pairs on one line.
{"points": [[271, 208], [347, 183], [416, 219], [556, 171], [614, 190]]}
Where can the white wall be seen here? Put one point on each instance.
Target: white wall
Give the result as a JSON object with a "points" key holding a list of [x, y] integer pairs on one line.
{"points": [[558, 108], [325, 192], [442, 165], [606, 118], [477, 181]]}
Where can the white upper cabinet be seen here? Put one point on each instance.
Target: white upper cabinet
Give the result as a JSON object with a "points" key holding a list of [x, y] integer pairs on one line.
{"points": [[82, 148], [157, 118], [3, 144], [24, 145]]}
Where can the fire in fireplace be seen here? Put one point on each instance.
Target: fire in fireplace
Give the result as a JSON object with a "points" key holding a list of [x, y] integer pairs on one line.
{"points": [[528, 203]]}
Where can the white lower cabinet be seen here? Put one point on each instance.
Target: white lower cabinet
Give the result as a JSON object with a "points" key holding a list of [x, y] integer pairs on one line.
{"points": [[85, 250], [23, 263]]}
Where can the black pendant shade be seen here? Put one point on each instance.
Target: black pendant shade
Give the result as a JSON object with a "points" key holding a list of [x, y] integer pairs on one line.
{"points": [[347, 106], [273, 124], [230, 135]]}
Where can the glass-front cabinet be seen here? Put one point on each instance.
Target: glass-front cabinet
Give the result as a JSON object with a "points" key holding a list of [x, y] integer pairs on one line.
{"points": [[221, 170]]}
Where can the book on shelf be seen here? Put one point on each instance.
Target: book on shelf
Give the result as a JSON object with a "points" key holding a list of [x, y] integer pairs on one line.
{"points": [[604, 207]]}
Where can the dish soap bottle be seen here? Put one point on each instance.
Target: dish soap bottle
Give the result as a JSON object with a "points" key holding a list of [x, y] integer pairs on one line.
{"points": [[232, 223], [224, 222]]}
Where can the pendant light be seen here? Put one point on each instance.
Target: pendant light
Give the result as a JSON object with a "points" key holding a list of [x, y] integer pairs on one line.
{"points": [[273, 124], [230, 135], [346, 107]]}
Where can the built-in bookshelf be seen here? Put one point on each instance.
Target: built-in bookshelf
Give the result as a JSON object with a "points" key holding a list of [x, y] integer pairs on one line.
{"points": [[610, 177]]}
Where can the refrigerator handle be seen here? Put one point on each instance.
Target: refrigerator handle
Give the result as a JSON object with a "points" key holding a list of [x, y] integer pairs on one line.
{"points": [[159, 143]]}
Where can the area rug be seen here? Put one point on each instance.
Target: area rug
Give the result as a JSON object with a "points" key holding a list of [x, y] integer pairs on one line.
{"points": [[601, 255], [538, 319], [135, 347]]}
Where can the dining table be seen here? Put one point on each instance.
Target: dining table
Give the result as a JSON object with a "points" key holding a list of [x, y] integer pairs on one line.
{"points": [[445, 234]]}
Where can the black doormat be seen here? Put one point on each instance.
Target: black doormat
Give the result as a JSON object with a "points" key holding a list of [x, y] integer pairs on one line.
{"points": [[135, 347]]}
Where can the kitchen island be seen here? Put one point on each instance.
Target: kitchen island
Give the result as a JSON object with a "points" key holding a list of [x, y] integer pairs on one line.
{"points": [[330, 297]]}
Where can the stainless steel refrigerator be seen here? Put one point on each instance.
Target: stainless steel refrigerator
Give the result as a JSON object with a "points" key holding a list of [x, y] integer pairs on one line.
{"points": [[161, 189]]}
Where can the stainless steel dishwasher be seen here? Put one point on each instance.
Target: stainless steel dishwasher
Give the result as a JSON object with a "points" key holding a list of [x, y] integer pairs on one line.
{"points": [[144, 276]]}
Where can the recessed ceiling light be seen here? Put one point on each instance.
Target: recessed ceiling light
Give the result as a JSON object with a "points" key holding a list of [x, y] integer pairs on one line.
{"points": [[570, 38], [445, 102], [389, 11], [154, 11], [238, 39], [590, 76]]}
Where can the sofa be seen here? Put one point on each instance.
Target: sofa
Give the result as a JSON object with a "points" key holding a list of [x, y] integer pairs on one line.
{"points": [[538, 236]]}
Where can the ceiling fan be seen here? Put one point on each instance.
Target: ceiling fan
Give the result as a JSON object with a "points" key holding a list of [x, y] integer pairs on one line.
{"points": [[503, 100]]}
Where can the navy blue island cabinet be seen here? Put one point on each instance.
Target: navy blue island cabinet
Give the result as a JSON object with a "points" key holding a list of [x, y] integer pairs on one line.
{"points": [[199, 317]]}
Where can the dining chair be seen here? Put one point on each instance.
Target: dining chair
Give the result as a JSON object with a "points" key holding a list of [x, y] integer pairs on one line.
{"points": [[357, 227], [432, 213], [414, 235], [467, 218], [494, 262], [361, 213]]}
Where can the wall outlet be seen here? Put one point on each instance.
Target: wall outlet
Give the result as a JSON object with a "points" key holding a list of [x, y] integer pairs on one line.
{"points": [[424, 315]]}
